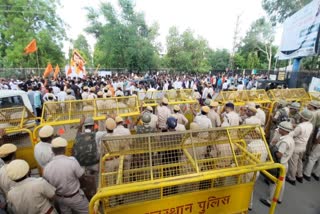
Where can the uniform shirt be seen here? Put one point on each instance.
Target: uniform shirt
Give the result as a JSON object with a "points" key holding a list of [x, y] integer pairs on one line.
{"points": [[154, 121], [180, 127], [262, 116], [70, 97], [286, 147], [101, 104], [84, 95], [63, 173], [231, 119], [143, 129], [215, 118], [181, 118], [301, 135], [121, 130], [31, 196], [203, 121], [163, 112], [43, 153], [5, 182], [252, 120]]}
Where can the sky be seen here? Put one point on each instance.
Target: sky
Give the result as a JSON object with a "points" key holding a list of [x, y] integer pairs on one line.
{"points": [[212, 19]]}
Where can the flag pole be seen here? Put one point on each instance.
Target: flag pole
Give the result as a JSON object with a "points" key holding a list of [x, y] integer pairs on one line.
{"points": [[38, 63]]}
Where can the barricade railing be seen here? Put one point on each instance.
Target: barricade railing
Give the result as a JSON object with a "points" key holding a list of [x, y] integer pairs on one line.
{"points": [[16, 118], [192, 171], [315, 95]]}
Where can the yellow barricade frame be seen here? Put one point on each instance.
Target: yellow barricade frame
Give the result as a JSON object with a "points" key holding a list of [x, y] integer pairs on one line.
{"points": [[119, 184], [315, 95], [290, 95], [17, 118]]}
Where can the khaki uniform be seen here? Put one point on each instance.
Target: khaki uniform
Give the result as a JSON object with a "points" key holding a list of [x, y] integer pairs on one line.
{"points": [[70, 97], [163, 112], [154, 121], [203, 121], [31, 196], [121, 130], [215, 118], [231, 119], [294, 119], [43, 153], [181, 118], [313, 159], [262, 116], [252, 120], [286, 147], [69, 195], [180, 127], [85, 95], [5, 182], [52, 107], [300, 135]]}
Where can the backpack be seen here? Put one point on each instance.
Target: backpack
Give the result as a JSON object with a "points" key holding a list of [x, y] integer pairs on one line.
{"points": [[85, 149]]}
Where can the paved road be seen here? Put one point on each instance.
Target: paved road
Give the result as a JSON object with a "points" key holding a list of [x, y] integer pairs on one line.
{"points": [[300, 199]]}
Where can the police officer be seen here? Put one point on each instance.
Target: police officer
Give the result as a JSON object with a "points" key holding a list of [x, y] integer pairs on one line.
{"points": [[281, 114], [93, 92], [202, 120], [163, 113], [7, 154], [69, 95], [285, 150], [301, 135], [251, 116], [261, 115], [313, 166], [230, 117], [294, 113], [213, 115], [180, 117], [29, 195], [145, 127], [85, 93], [64, 173], [42, 150], [154, 118], [120, 129]]}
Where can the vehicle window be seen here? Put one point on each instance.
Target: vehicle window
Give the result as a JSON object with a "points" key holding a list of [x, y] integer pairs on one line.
{"points": [[8, 102]]}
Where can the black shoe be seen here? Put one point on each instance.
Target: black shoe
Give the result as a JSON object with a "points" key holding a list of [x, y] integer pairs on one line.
{"points": [[266, 181], [306, 177], [265, 202], [299, 179], [279, 202], [291, 181], [249, 209], [315, 177]]}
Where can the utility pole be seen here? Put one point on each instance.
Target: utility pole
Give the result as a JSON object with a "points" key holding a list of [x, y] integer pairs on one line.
{"points": [[235, 44]]}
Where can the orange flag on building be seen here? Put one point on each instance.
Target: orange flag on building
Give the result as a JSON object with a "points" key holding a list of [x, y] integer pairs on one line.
{"points": [[56, 72], [69, 71], [48, 70], [31, 47]]}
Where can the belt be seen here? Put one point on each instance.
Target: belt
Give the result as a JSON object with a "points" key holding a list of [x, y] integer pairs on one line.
{"points": [[49, 210], [68, 196]]}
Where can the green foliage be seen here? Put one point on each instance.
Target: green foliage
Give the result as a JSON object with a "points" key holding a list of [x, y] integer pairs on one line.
{"points": [[124, 40], [185, 52], [81, 44], [24, 20], [279, 10], [219, 59]]}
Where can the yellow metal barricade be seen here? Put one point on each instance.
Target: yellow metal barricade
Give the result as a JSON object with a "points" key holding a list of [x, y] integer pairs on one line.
{"points": [[183, 172], [290, 95], [315, 95], [18, 123]]}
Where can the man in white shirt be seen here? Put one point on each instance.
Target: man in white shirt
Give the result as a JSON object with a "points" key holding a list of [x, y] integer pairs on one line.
{"points": [[230, 117], [225, 85], [42, 150], [261, 115]]}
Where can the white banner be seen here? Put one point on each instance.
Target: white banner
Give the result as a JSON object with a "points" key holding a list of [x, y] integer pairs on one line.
{"points": [[314, 85], [301, 33]]}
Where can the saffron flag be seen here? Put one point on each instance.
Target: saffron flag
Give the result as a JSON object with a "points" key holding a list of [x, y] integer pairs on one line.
{"points": [[69, 71], [48, 70], [56, 72], [31, 47]]}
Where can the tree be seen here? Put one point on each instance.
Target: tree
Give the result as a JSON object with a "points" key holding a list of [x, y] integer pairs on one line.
{"points": [[124, 40], [82, 45], [185, 52], [259, 39], [219, 59], [279, 10], [22, 21]]}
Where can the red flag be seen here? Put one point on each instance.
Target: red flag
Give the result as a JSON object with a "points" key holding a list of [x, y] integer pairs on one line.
{"points": [[31, 47], [48, 70], [56, 72]]}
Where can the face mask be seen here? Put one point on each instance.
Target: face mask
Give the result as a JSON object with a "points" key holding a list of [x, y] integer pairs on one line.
{"points": [[87, 131]]}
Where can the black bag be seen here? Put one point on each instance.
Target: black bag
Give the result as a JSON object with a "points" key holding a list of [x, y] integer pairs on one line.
{"points": [[85, 149], [273, 150]]}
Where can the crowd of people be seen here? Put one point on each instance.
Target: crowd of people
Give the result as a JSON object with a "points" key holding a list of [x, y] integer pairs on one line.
{"points": [[294, 139]]}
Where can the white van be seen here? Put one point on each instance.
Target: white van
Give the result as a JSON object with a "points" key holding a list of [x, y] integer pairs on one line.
{"points": [[14, 98]]}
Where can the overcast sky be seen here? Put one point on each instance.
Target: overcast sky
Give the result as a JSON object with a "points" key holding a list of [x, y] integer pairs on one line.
{"points": [[213, 19]]}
